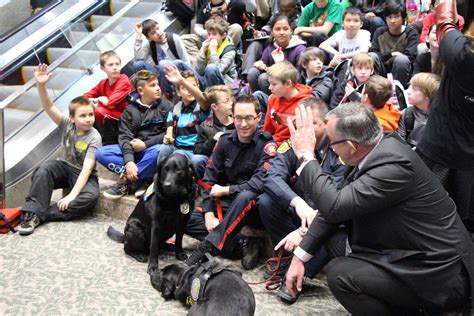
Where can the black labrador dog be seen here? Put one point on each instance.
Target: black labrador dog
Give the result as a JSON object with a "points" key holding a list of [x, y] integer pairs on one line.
{"points": [[160, 213], [224, 292]]}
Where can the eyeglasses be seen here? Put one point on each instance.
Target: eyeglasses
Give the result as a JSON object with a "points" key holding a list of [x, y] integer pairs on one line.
{"points": [[248, 119], [343, 141]]}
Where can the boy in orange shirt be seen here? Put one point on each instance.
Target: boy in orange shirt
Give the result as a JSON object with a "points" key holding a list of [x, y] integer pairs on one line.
{"points": [[285, 97], [378, 91]]}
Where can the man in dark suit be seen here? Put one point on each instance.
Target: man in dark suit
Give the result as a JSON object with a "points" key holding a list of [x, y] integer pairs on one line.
{"points": [[409, 248]]}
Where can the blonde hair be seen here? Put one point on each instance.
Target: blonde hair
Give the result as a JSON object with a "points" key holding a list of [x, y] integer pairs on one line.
{"points": [[283, 71], [427, 82], [362, 59], [106, 55], [218, 24], [212, 93]]}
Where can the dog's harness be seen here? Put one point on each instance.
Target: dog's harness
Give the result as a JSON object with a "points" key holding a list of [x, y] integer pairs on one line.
{"points": [[184, 207], [203, 274], [208, 187]]}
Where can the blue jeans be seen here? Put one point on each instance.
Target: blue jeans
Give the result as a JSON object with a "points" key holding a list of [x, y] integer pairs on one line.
{"points": [[111, 157], [165, 85], [212, 76], [199, 161]]}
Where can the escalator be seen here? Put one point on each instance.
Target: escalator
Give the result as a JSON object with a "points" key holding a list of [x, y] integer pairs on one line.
{"points": [[72, 52]]}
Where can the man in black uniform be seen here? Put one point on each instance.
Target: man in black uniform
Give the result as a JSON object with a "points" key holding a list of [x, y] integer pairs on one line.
{"points": [[235, 170], [283, 207]]}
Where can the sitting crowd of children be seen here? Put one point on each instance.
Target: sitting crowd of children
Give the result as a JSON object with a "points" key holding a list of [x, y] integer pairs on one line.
{"points": [[332, 56]]}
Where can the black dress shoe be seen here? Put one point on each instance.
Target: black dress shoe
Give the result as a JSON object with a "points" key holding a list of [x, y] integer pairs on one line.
{"points": [[285, 295]]}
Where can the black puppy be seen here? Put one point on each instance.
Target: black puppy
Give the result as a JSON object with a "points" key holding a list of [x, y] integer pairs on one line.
{"points": [[219, 292], [160, 214]]}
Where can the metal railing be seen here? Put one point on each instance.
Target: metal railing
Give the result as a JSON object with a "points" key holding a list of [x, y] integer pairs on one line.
{"points": [[28, 85]]}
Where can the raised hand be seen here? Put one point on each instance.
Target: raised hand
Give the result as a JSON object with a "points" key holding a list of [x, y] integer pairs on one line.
{"points": [[172, 73], [41, 74]]}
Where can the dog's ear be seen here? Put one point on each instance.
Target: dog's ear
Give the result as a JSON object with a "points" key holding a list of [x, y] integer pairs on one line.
{"points": [[192, 169]]}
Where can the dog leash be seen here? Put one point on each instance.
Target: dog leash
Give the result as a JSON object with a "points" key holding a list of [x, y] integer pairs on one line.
{"points": [[208, 187], [273, 283]]}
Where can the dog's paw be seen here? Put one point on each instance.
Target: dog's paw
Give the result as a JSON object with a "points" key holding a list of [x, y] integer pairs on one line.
{"points": [[181, 256], [155, 279]]}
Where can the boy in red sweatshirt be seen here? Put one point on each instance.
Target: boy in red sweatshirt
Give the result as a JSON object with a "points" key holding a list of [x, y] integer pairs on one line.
{"points": [[109, 96], [285, 97]]}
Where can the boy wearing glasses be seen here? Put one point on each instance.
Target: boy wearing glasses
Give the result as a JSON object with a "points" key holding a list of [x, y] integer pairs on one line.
{"points": [[221, 100], [235, 171]]}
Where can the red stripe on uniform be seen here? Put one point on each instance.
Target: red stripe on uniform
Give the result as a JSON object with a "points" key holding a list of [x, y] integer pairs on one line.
{"points": [[235, 223]]}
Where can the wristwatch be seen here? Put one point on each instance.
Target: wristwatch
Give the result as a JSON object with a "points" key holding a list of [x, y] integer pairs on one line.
{"points": [[306, 156], [302, 231]]}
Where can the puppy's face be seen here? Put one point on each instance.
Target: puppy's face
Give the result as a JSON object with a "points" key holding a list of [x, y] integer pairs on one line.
{"points": [[172, 277], [176, 173]]}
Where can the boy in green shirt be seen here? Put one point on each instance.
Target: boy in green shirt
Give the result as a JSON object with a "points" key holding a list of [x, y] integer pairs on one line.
{"points": [[320, 19]]}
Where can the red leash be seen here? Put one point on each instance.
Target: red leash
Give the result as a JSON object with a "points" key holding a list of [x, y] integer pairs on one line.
{"points": [[218, 200], [273, 282]]}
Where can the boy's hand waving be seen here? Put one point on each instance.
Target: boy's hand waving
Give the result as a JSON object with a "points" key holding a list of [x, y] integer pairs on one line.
{"points": [[41, 74]]}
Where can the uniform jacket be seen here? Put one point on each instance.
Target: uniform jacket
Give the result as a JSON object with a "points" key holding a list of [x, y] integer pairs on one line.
{"points": [[242, 166], [399, 218], [146, 124], [281, 181]]}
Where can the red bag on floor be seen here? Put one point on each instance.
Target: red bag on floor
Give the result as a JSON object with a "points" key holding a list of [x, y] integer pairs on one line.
{"points": [[9, 218]]}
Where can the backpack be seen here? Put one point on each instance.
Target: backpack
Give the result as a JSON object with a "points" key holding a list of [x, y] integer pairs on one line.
{"points": [[238, 57], [9, 218], [171, 45], [183, 9], [409, 120]]}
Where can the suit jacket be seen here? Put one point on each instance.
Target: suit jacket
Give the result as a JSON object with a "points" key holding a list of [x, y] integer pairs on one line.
{"points": [[399, 218]]}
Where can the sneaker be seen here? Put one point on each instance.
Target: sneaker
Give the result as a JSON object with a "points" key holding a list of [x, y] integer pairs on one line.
{"points": [[116, 191], [285, 295], [199, 253], [28, 224], [250, 250]]}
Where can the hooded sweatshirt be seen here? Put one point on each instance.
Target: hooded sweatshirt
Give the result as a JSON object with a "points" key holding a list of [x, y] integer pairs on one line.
{"points": [[388, 117], [292, 51], [279, 109]]}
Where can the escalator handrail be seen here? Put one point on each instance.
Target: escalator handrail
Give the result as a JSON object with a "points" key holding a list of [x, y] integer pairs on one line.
{"points": [[28, 85], [5, 36]]}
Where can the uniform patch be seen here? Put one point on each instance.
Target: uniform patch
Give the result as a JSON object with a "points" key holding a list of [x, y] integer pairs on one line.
{"points": [[270, 149], [184, 208], [81, 145], [284, 147], [195, 288]]}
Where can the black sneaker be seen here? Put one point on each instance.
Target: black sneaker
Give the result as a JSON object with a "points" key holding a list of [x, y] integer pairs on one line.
{"points": [[199, 253], [28, 224], [141, 190], [250, 251], [116, 191]]}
